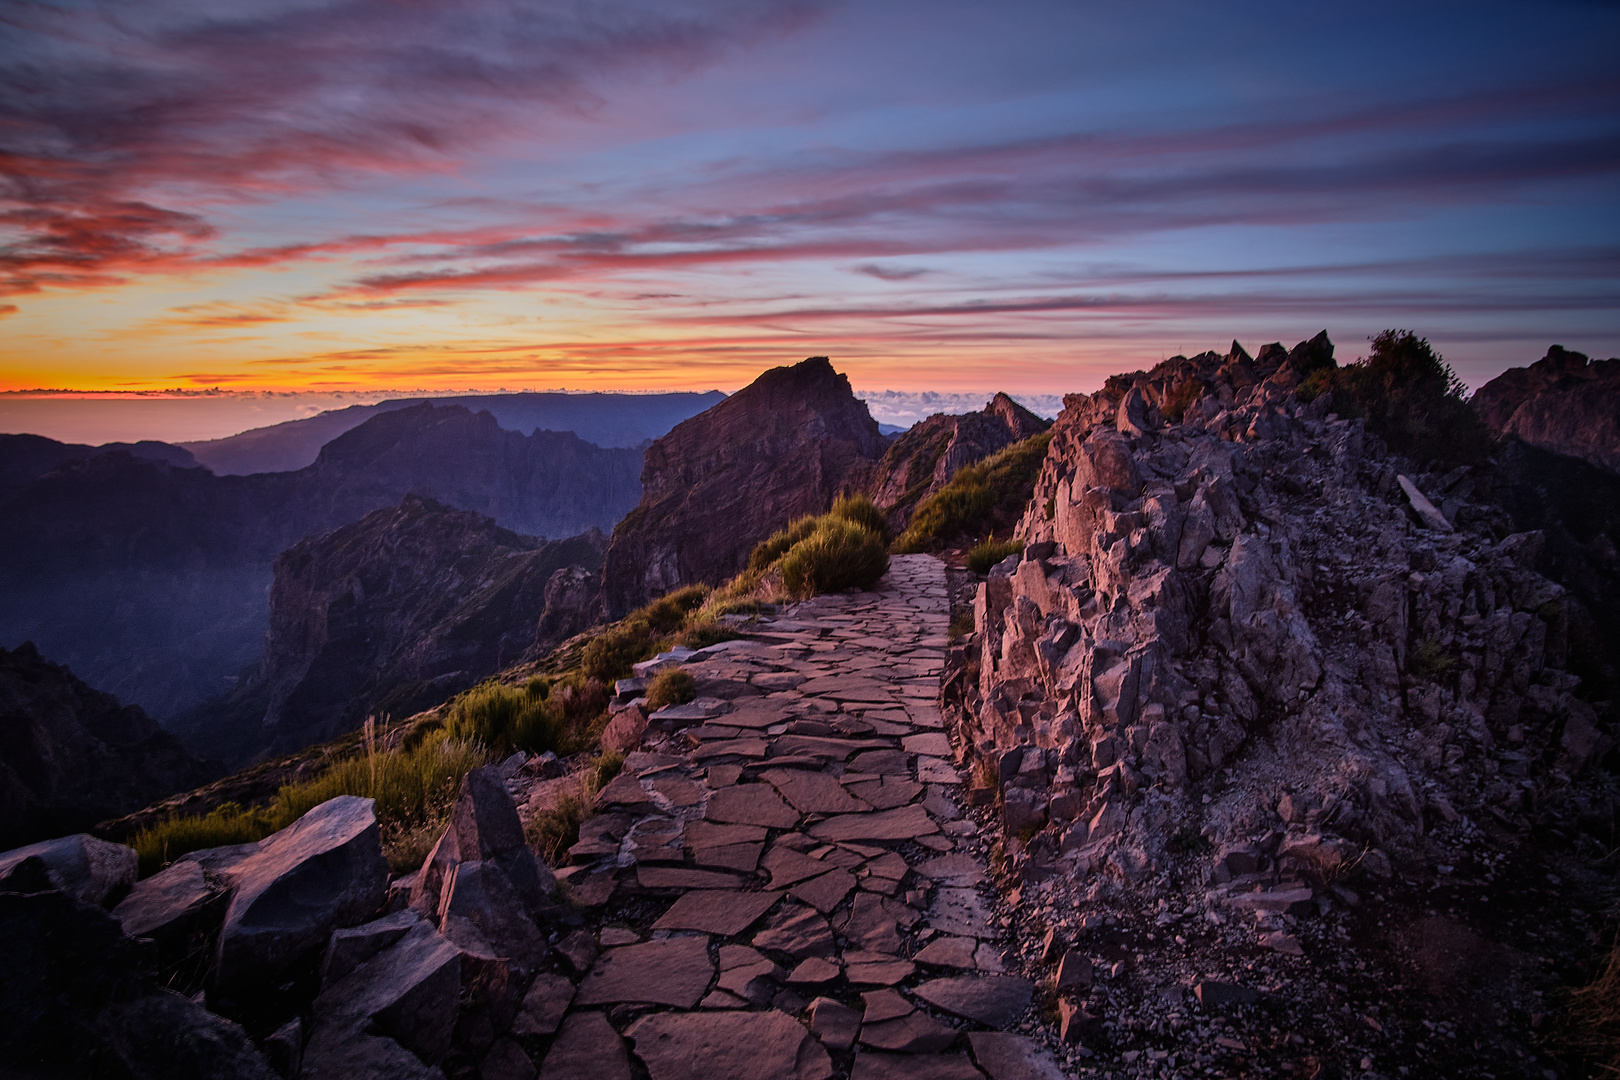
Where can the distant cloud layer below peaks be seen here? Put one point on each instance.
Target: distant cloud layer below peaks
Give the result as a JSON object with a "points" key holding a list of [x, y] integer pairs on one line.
{"points": [[903, 408], [940, 194]]}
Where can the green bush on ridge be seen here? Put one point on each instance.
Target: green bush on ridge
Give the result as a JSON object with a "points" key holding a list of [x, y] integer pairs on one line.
{"points": [[1410, 397], [839, 554]]}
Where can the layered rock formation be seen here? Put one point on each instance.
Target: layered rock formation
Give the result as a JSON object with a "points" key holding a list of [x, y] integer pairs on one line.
{"points": [[923, 459], [71, 756], [391, 614], [724, 480], [153, 580], [1250, 626], [1563, 403]]}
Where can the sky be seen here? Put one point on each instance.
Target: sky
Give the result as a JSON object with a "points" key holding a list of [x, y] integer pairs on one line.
{"points": [[944, 197]]}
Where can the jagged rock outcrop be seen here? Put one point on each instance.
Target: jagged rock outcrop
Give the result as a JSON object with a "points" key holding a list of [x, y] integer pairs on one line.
{"points": [[724, 480], [1563, 403], [391, 614], [152, 580], [1238, 625], [71, 756], [924, 458]]}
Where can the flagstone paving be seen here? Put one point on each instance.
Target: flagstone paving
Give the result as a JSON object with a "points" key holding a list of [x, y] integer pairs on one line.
{"points": [[774, 879]]}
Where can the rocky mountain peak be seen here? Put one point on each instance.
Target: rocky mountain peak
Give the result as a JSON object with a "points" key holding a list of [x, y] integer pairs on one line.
{"points": [[1563, 402], [724, 480]]}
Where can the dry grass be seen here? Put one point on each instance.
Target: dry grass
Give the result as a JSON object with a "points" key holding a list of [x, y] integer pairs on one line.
{"points": [[672, 686], [554, 830], [1594, 1018], [413, 789]]}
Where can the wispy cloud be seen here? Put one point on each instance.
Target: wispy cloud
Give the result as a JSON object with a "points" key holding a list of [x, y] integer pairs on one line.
{"points": [[99, 102]]}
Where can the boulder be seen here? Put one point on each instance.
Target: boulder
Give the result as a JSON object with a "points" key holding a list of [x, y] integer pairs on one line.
{"points": [[351, 947], [323, 871], [481, 894], [93, 870], [340, 1052], [173, 904], [409, 991], [487, 828], [163, 1036]]}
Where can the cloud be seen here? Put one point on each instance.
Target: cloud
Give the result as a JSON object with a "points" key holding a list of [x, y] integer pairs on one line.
{"points": [[102, 105], [891, 273]]}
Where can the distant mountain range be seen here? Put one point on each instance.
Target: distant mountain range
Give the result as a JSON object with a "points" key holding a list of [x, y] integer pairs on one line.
{"points": [[151, 579], [608, 420]]}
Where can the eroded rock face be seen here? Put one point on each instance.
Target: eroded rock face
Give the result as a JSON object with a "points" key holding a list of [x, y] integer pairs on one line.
{"points": [[726, 479], [323, 871], [392, 614], [1207, 558], [71, 756], [923, 459], [1562, 402]]}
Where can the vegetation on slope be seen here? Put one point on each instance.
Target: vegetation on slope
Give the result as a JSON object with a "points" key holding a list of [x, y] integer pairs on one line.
{"points": [[413, 788], [981, 499], [1410, 398]]}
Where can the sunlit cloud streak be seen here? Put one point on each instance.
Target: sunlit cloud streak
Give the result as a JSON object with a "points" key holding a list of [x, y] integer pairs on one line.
{"points": [[360, 191]]}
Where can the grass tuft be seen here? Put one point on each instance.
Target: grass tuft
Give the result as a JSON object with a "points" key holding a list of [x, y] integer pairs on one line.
{"points": [[672, 686], [985, 555], [413, 790]]}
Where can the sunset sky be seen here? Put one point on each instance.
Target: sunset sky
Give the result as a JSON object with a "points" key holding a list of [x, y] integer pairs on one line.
{"points": [[946, 196]]}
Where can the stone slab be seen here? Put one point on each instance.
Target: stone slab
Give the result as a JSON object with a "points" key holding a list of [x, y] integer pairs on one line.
{"points": [[587, 1049], [903, 823], [726, 912], [992, 1000], [675, 972], [751, 804], [728, 1046]]}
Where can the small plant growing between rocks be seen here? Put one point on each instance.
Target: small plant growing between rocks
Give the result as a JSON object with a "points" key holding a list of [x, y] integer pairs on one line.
{"points": [[987, 553], [672, 686], [554, 830], [1430, 660]]}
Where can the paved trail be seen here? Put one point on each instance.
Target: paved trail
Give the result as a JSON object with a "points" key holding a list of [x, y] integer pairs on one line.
{"points": [[778, 882]]}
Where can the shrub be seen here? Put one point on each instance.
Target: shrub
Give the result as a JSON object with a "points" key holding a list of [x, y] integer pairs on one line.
{"points": [[612, 653], [708, 630], [505, 719], [1410, 398], [538, 688], [668, 613], [672, 686], [837, 555], [779, 542], [981, 498], [985, 555], [862, 511]]}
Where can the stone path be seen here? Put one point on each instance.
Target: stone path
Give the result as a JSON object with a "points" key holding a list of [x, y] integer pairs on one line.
{"points": [[775, 877]]}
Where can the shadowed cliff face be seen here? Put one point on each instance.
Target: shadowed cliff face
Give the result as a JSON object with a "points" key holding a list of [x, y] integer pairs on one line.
{"points": [[391, 614], [153, 580], [726, 479], [71, 756], [1561, 403], [924, 458]]}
